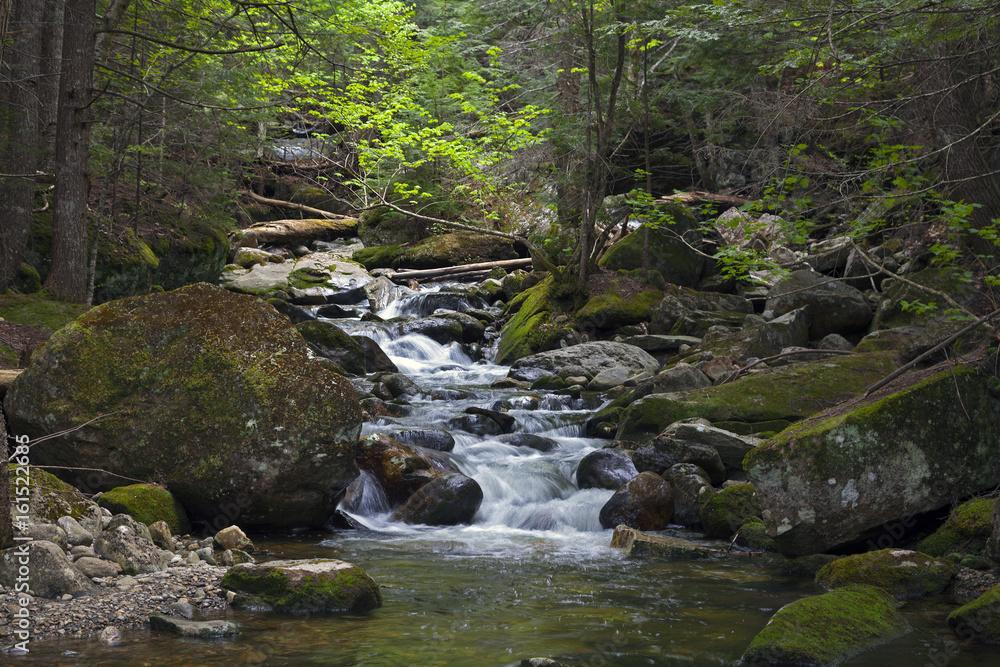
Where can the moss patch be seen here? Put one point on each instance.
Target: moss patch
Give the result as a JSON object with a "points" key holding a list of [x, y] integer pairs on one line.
{"points": [[902, 574], [533, 329], [610, 311], [828, 629], [980, 619], [147, 504], [965, 531], [729, 509], [51, 497], [303, 586]]}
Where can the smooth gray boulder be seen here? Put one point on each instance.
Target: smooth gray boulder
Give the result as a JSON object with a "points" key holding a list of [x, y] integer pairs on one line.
{"points": [[593, 357], [76, 534], [196, 629], [605, 469], [447, 500], [50, 572]]}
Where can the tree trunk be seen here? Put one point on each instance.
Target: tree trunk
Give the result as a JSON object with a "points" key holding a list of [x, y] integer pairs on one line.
{"points": [[19, 140], [68, 277]]}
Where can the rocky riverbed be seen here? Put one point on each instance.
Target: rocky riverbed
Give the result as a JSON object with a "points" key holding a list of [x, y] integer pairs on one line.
{"points": [[122, 602]]}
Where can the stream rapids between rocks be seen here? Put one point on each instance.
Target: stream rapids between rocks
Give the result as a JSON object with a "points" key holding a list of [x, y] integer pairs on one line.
{"points": [[532, 576]]}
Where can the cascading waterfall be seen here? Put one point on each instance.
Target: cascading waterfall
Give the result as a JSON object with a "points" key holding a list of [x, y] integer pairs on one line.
{"points": [[527, 493]]}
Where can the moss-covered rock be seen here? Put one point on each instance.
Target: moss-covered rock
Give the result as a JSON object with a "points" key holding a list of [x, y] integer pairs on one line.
{"points": [[379, 257], [673, 258], [753, 535], [788, 394], [147, 504], [980, 619], [842, 475], [298, 586], [901, 573], [610, 311], [828, 629], [727, 510], [891, 312], [966, 530], [208, 392], [534, 328], [51, 498]]}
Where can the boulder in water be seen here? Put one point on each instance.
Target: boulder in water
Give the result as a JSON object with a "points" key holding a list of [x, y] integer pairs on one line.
{"points": [[691, 488], [828, 629], [296, 586], [435, 439], [331, 342], [400, 469], [901, 573], [660, 454], [536, 442], [447, 500], [645, 502], [727, 510], [209, 391], [605, 469]]}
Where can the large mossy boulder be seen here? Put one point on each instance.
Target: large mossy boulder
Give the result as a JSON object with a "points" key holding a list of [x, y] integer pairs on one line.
{"points": [[147, 504], [788, 393], [670, 249], [842, 475], [966, 530], [209, 392], [901, 573], [828, 629], [297, 586], [534, 327]]}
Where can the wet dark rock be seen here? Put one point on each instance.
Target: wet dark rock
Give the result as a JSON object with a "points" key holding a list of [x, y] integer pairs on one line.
{"points": [[663, 452], [446, 501], [376, 360], [437, 440], [503, 420], [605, 469], [294, 313], [438, 329], [536, 442], [335, 312], [354, 296], [400, 469], [645, 502], [400, 385], [476, 424], [691, 488]]}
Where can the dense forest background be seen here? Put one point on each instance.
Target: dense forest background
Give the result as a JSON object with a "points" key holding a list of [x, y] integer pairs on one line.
{"points": [[134, 129]]}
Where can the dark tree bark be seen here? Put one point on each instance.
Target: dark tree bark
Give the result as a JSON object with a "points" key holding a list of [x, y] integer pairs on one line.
{"points": [[19, 138], [68, 277]]}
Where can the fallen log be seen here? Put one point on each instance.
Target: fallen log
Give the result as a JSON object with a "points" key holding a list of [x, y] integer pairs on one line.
{"points": [[700, 197], [287, 232], [464, 268], [295, 207]]}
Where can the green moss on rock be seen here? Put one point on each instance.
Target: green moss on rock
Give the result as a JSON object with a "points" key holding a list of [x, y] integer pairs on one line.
{"points": [[319, 585], [980, 619], [901, 573], [209, 392], [727, 510], [533, 329], [50, 497], [788, 393], [676, 262], [147, 504], [966, 530], [828, 629], [610, 311]]}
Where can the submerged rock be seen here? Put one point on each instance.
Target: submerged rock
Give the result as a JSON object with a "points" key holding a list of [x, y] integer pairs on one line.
{"points": [[636, 543], [295, 586], [901, 573], [186, 628], [828, 629], [841, 476], [209, 391]]}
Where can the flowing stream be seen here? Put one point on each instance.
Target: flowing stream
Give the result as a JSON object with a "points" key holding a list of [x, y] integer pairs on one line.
{"points": [[532, 576]]}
